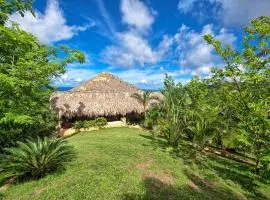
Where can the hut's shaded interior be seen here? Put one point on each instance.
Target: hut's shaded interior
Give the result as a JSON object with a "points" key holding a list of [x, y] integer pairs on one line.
{"points": [[131, 118]]}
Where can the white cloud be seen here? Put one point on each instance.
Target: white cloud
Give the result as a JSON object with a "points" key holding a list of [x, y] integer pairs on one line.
{"points": [[74, 77], [231, 12], [195, 56], [164, 46], [205, 70], [149, 78], [186, 6], [136, 14], [132, 46], [239, 12], [109, 29], [142, 78], [133, 50], [144, 81], [49, 26]]}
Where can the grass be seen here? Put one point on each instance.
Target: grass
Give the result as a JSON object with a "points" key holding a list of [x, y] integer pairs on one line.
{"points": [[122, 163]]}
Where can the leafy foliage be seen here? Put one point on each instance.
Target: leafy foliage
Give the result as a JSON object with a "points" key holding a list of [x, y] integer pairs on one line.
{"points": [[152, 116], [230, 109], [36, 158], [7, 7], [206, 126], [144, 98], [99, 122], [244, 85], [27, 69], [175, 107], [79, 124]]}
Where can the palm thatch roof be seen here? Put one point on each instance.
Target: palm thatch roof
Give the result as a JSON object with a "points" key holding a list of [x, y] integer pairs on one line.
{"points": [[104, 95]]}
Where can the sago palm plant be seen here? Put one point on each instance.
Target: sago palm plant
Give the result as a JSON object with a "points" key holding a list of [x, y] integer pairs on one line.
{"points": [[36, 158], [205, 126]]}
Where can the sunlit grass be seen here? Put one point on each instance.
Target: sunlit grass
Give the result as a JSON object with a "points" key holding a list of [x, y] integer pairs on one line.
{"points": [[122, 163]]}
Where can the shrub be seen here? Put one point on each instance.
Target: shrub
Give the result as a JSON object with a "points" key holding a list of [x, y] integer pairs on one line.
{"points": [[36, 158], [10, 133], [88, 124], [162, 128], [152, 116], [265, 161], [99, 122], [79, 124]]}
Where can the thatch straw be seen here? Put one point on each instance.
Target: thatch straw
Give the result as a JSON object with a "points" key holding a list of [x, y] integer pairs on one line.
{"points": [[105, 82], [104, 95]]}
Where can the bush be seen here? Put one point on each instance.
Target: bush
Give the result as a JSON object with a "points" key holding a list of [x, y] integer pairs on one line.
{"points": [[36, 158], [265, 161], [79, 124], [152, 116], [162, 128], [99, 122], [10, 134]]}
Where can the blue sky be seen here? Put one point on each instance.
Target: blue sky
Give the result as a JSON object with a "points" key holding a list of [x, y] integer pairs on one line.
{"points": [[141, 40]]}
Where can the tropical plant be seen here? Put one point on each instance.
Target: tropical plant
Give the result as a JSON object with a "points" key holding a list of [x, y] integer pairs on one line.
{"points": [[162, 128], [243, 86], [27, 71], [36, 158], [205, 126], [144, 98], [175, 106], [152, 116]]}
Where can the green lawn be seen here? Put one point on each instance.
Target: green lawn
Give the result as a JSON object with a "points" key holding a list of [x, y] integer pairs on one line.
{"points": [[122, 163]]}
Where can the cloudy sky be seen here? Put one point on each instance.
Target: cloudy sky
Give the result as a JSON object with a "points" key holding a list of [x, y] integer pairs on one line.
{"points": [[141, 40]]}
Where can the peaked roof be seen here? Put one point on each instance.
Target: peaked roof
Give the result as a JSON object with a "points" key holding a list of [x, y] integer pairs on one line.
{"points": [[105, 82], [103, 95]]}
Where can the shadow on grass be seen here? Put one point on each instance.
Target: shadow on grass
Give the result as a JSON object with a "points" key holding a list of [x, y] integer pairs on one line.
{"points": [[196, 189], [213, 166], [8, 180], [155, 142], [1, 196]]}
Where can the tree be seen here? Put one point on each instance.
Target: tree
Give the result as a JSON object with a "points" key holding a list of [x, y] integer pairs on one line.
{"points": [[144, 98], [176, 105], [207, 106], [7, 7], [243, 86], [205, 125], [27, 70]]}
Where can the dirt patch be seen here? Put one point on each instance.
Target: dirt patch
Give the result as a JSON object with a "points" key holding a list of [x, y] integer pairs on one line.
{"points": [[147, 173], [39, 190], [145, 166], [193, 186], [162, 177], [7, 184]]}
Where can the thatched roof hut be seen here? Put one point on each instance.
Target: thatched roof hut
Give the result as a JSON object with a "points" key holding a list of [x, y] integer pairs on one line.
{"points": [[104, 95]]}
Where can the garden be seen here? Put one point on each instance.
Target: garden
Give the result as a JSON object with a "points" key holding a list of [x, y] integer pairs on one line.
{"points": [[124, 163], [207, 139]]}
